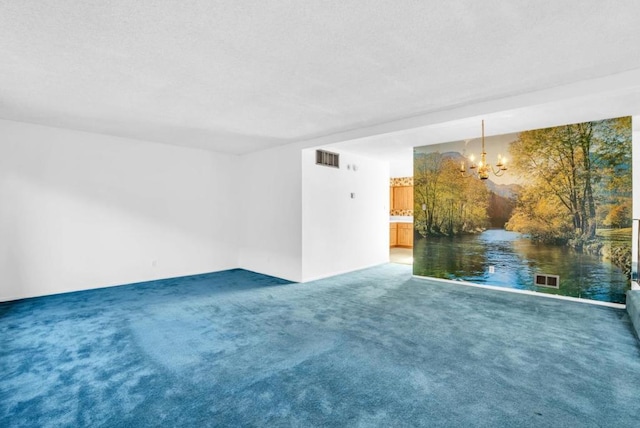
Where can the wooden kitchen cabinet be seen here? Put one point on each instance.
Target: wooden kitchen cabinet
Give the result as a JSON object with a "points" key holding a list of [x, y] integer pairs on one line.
{"points": [[405, 235], [402, 198], [391, 207], [401, 234], [393, 234]]}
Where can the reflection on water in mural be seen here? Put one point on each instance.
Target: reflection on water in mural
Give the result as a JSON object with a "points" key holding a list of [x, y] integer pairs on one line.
{"points": [[561, 207], [515, 259]]}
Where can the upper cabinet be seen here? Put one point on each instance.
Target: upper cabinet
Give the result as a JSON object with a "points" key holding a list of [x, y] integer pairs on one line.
{"points": [[402, 197], [391, 198]]}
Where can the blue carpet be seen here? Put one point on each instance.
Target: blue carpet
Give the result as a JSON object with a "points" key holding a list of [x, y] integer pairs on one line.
{"points": [[370, 348]]}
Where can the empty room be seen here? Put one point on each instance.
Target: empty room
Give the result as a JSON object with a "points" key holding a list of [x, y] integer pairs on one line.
{"points": [[371, 214]]}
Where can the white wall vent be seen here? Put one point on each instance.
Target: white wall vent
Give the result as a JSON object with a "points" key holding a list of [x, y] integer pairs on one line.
{"points": [[327, 158], [550, 281]]}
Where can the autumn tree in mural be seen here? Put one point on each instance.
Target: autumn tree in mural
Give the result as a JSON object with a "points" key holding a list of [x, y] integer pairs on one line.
{"points": [[578, 180], [563, 208], [446, 203]]}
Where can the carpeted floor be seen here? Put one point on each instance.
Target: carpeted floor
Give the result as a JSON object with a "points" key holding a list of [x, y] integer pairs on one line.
{"points": [[370, 348]]}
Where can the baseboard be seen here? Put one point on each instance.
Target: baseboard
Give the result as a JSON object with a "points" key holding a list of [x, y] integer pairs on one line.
{"points": [[527, 292]]}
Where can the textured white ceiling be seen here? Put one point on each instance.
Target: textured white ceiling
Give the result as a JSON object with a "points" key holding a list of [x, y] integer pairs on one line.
{"points": [[238, 76], [602, 98]]}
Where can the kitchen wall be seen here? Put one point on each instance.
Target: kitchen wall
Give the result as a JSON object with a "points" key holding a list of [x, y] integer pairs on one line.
{"points": [[82, 210]]}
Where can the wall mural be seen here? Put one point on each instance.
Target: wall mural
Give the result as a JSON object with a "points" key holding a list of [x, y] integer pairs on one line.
{"points": [[557, 221]]}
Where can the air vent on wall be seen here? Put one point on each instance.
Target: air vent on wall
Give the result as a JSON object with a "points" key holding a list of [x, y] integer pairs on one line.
{"points": [[327, 158], [550, 281]]}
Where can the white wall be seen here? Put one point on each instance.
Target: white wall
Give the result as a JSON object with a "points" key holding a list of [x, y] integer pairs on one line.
{"points": [[341, 234], [401, 166], [82, 210], [270, 218]]}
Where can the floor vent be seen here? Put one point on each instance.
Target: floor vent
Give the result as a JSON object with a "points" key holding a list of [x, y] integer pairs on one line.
{"points": [[544, 280], [327, 158]]}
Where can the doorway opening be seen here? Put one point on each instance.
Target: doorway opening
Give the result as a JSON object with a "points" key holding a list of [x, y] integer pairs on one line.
{"points": [[401, 255]]}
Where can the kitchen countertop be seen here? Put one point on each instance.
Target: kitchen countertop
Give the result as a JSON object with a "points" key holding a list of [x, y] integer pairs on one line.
{"points": [[401, 219]]}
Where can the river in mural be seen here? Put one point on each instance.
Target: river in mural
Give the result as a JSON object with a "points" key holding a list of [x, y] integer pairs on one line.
{"points": [[557, 202], [508, 259]]}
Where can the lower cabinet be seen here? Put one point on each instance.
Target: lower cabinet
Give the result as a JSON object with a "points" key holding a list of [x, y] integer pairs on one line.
{"points": [[393, 234], [401, 234]]}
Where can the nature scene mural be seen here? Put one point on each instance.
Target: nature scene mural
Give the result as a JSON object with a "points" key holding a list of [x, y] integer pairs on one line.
{"points": [[562, 208]]}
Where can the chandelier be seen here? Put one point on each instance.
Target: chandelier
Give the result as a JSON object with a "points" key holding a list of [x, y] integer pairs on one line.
{"points": [[484, 168]]}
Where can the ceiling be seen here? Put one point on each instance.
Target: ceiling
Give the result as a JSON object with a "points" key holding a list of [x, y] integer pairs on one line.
{"points": [[602, 98], [238, 76]]}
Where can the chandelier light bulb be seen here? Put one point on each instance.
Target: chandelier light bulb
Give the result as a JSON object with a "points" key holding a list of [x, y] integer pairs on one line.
{"points": [[483, 167]]}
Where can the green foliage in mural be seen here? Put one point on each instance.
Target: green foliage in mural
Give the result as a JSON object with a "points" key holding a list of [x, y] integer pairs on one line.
{"points": [[541, 216], [576, 174], [445, 202], [565, 202], [579, 185], [613, 157]]}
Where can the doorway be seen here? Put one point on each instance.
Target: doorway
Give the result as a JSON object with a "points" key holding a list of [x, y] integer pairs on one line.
{"points": [[401, 255]]}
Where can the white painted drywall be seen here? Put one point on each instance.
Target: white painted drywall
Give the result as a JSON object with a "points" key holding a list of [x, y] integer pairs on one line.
{"points": [[401, 166], [270, 219], [341, 233], [82, 210]]}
